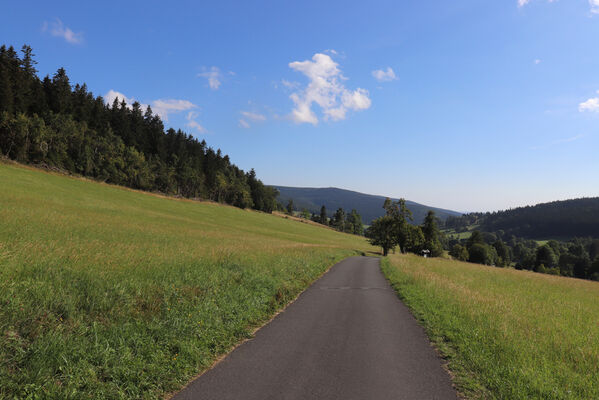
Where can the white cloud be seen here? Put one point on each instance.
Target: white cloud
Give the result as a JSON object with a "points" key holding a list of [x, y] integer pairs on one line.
{"points": [[326, 90], [594, 4], [192, 123], [384, 76], [113, 94], [253, 116], [160, 107], [522, 3], [591, 105], [537, 61], [214, 77], [164, 107], [57, 28]]}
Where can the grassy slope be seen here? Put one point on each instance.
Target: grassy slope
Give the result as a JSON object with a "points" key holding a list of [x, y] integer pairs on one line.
{"points": [[111, 293], [507, 334]]}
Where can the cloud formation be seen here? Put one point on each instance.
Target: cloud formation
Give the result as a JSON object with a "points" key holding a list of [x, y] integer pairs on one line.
{"points": [[160, 107], [214, 77], [58, 29], [113, 94], [192, 123], [326, 90], [164, 107], [384, 76], [253, 116], [591, 105], [250, 116], [594, 4]]}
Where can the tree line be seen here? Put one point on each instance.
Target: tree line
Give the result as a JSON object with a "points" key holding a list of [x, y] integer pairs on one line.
{"points": [[577, 257], [394, 230], [558, 220], [341, 220], [49, 122]]}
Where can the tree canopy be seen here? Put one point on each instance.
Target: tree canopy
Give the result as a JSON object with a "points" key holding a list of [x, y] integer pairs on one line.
{"points": [[52, 123]]}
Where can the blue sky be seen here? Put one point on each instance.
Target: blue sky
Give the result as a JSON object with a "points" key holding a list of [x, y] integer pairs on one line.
{"points": [[467, 105]]}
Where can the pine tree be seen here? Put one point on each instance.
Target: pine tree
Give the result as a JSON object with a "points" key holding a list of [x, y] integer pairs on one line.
{"points": [[339, 220], [323, 216]]}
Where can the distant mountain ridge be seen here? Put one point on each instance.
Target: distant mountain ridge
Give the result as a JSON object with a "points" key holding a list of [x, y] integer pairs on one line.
{"points": [[369, 206], [556, 219]]}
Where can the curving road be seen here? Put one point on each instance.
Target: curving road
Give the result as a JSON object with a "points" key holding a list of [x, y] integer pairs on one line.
{"points": [[347, 337]]}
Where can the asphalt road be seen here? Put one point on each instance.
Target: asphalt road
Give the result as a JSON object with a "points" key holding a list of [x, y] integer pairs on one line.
{"points": [[347, 337]]}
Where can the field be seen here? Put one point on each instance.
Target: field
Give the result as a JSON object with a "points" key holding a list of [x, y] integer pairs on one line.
{"points": [[505, 333], [111, 293]]}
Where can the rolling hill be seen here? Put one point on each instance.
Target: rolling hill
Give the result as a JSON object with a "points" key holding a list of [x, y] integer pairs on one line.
{"points": [[108, 292], [369, 206], [564, 219]]}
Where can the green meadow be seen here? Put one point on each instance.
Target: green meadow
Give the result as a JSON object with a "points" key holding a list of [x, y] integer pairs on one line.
{"points": [[107, 292], [506, 334]]}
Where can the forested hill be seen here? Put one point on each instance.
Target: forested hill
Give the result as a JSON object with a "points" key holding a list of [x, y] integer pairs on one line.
{"points": [[556, 220], [50, 122], [368, 206]]}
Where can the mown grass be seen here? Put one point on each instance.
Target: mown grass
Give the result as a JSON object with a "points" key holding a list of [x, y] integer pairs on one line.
{"points": [[111, 293], [506, 334]]}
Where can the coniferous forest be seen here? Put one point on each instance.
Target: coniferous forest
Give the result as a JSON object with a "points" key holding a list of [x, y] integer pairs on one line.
{"points": [[49, 122]]}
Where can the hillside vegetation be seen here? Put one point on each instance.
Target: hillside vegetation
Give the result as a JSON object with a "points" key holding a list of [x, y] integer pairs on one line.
{"points": [[506, 334], [106, 292], [555, 220], [50, 122], [367, 205]]}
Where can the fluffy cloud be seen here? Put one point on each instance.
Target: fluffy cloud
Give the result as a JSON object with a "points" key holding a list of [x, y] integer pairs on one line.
{"points": [[214, 77], [254, 117], [326, 90], [113, 94], [384, 76], [57, 28], [160, 107], [163, 107], [591, 105]]}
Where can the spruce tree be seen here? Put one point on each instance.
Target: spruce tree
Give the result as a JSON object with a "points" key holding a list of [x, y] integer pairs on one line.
{"points": [[323, 216]]}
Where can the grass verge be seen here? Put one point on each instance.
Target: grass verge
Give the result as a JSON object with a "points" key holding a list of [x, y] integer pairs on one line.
{"points": [[505, 333], [111, 293]]}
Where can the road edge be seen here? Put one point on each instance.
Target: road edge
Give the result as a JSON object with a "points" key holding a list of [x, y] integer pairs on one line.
{"points": [[218, 360]]}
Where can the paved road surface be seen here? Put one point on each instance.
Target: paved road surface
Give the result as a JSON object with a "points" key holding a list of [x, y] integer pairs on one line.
{"points": [[346, 337]]}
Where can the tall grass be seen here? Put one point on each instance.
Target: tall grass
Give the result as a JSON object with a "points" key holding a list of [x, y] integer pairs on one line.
{"points": [[110, 293], [506, 334]]}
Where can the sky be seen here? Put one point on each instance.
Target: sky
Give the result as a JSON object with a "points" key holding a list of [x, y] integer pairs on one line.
{"points": [[466, 105]]}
